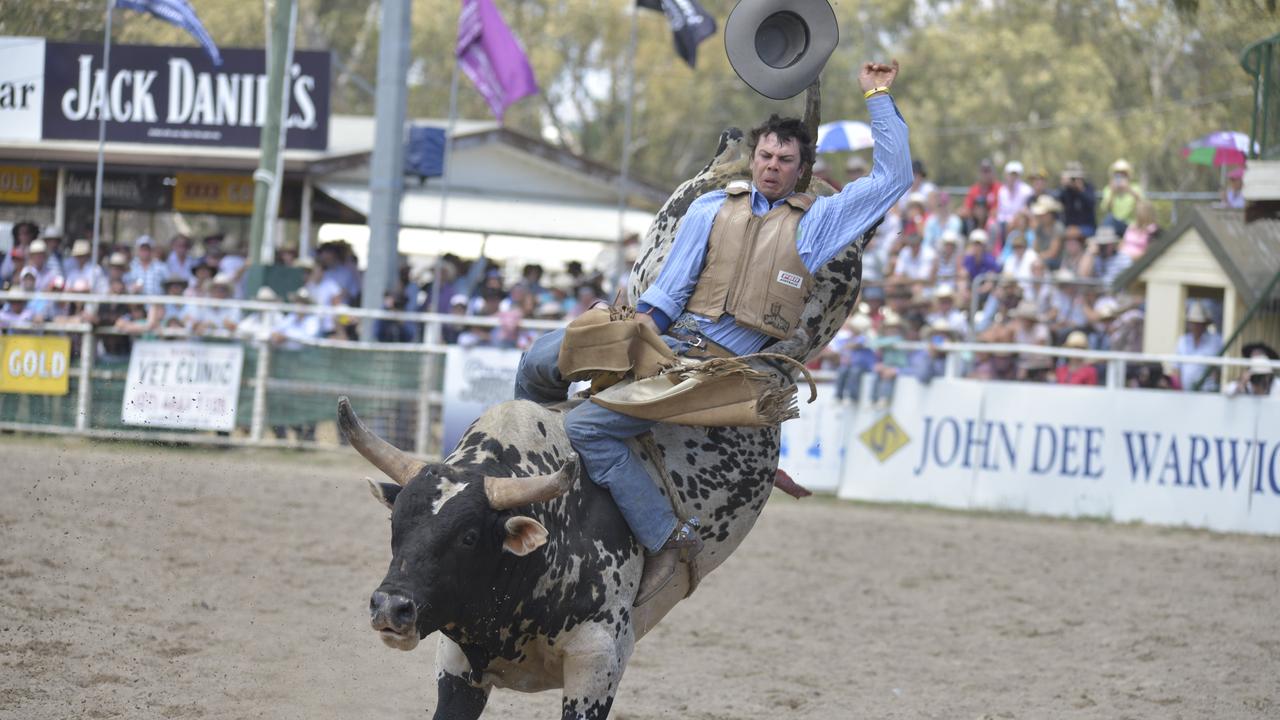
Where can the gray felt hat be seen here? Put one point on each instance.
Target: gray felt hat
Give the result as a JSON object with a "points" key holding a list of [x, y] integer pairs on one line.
{"points": [[779, 47]]}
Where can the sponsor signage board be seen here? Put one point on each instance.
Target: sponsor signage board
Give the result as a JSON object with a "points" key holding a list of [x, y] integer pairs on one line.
{"points": [[21, 87], [183, 385], [35, 365], [155, 94], [474, 380], [19, 185], [218, 194], [1201, 460]]}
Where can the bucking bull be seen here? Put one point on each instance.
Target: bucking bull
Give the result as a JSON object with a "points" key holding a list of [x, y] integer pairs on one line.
{"points": [[523, 566]]}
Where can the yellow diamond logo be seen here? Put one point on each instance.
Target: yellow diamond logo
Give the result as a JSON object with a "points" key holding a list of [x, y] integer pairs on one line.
{"points": [[884, 438]]}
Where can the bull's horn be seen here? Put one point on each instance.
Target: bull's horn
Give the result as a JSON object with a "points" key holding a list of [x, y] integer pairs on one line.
{"points": [[505, 493], [386, 457]]}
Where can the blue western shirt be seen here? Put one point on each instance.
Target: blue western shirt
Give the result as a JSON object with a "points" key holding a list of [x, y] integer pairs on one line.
{"points": [[829, 225]]}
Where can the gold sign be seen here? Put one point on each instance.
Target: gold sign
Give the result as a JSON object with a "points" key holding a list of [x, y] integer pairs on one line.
{"points": [[34, 365], [217, 194], [884, 438], [19, 185]]}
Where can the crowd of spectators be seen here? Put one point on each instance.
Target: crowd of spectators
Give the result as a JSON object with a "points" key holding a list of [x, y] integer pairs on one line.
{"points": [[1013, 261], [182, 268], [1016, 260]]}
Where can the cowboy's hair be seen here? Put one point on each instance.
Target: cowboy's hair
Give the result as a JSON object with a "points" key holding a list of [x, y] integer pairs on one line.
{"points": [[785, 129]]}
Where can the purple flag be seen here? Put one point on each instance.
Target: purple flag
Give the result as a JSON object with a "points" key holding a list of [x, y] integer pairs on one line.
{"points": [[491, 57]]}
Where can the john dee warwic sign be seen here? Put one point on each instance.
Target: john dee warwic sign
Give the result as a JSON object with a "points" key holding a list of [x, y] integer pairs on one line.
{"points": [[170, 95]]}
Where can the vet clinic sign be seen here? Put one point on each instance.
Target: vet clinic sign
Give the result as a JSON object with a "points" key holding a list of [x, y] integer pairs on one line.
{"points": [[35, 365], [183, 385]]}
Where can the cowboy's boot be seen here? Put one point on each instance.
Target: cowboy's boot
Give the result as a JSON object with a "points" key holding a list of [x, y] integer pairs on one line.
{"points": [[684, 544]]}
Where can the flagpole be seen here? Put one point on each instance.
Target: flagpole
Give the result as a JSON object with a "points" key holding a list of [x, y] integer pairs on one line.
{"points": [[624, 172], [102, 132], [444, 192]]}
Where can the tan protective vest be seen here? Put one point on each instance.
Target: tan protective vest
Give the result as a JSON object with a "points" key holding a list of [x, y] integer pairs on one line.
{"points": [[752, 270]]}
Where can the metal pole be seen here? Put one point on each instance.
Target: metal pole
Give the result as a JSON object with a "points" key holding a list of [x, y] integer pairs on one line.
{"points": [[304, 218], [625, 170], [263, 370], [386, 172], [60, 201], [84, 396], [273, 199], [102, 131], [265, 176]]}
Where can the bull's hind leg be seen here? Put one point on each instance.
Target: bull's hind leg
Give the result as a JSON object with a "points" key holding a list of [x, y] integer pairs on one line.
{"points": [[593, 663], [456, 698]]}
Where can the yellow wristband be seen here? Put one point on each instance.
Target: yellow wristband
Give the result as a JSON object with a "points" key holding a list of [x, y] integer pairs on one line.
{"points": [[873, 91]]}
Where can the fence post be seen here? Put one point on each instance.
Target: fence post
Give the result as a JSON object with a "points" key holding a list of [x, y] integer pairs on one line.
{"points": [[1115, 374], [432, 364], [84, 395], [263, 369]]}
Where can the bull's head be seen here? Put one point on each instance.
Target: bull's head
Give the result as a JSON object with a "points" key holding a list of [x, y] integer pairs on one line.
{"points": [[450, 530]]}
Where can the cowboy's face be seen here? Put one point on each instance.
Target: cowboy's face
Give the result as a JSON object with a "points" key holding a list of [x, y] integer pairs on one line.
{"points": [[776, 167]]}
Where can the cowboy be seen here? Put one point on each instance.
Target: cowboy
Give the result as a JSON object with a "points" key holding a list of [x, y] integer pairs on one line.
{"points": [[705, 298]]}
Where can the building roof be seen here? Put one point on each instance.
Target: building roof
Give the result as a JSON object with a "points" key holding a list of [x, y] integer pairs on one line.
{"points": [[1248, 253]]}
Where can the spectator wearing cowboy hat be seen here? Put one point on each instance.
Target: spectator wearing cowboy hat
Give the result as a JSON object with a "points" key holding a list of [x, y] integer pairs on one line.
{"points": [[1036, 369], [52, 237], [38, 261], [1079, 201], [1046, 233], [1122, 323], [1073, 250], [948, 263], [1076, 370], [80, 267], [1103, 260], [945, 310], [1120, 197], [1198, 341], [217, 319]]}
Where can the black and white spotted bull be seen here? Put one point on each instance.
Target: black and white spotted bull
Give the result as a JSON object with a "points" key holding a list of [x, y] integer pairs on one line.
{"points": [[524, 567]]}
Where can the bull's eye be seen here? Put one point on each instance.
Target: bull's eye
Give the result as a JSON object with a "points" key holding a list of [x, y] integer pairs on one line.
{"points": [[469, 538]]}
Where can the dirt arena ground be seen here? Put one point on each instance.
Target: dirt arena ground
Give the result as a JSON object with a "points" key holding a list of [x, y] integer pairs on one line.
{"points": [[164, 583]]}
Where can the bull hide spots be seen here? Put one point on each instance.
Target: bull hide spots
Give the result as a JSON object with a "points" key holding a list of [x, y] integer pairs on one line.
{"points": [[448, 489], [524, 535]]}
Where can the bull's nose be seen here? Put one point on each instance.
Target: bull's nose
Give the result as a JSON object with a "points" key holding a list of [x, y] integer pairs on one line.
{"points": [[393, 611]]}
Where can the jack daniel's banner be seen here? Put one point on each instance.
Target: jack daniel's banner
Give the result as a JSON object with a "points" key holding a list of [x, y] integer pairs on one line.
{"points": [[169, 95]]}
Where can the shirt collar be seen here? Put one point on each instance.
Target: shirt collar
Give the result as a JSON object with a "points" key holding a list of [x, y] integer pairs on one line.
{"points": [[760, 203]]}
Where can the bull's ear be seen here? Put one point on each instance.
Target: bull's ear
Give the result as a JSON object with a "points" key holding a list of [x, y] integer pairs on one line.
{"points": [[524, 535], [384, 492]]}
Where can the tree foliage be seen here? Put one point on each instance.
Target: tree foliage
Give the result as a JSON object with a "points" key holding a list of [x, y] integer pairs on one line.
{"points": [[1042, 82]]}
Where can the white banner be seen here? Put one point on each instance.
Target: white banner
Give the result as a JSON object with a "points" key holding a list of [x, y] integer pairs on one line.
{"points": [[185, 385], [21, 88], [475, 379], [813, 445], [1168, 458]]}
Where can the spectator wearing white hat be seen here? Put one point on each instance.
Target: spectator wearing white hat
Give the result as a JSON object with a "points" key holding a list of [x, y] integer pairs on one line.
{"points": [[1103, 260], [978, 259], [1198, 341], [1012, 197], [945, 309], [1121, 196], [210, 319], [80, 267], [146, 273], [948, 265], [52, 237], [260, 324], [38, 260]]}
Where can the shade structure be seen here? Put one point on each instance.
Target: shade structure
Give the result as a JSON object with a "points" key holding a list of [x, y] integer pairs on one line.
{"points": [[844, 135]]}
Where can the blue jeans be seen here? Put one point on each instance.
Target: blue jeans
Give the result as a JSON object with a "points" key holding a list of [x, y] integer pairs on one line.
{"points": [[599, 436]]}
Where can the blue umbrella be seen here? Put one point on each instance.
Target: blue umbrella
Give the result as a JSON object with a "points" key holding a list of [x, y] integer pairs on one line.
{"points": [[844, 135]]}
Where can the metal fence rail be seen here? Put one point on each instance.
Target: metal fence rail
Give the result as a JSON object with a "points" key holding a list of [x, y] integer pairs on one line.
{"points": [[287, 391]]}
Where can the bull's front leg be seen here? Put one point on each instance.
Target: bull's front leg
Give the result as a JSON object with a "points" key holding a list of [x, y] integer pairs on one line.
{"points": [[593, 664], [456, 697]]}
